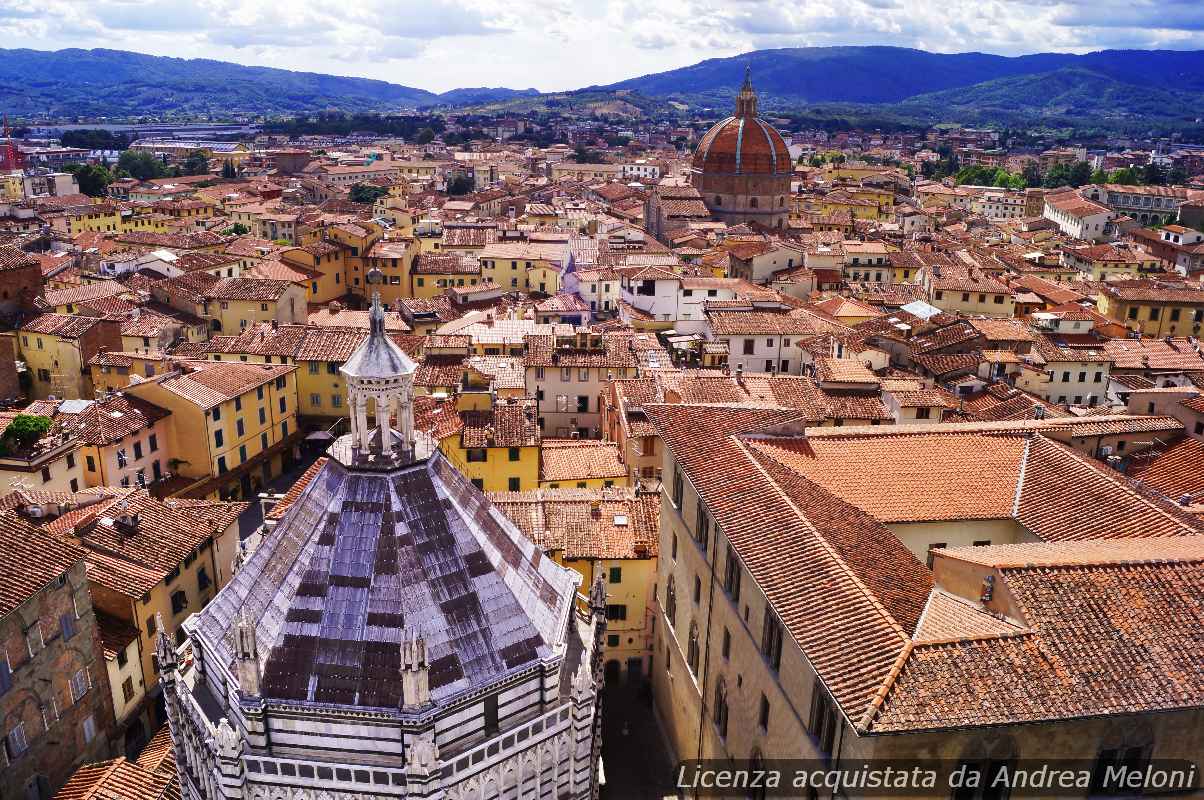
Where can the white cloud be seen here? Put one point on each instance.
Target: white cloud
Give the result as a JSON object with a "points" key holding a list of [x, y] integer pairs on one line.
{"points": [[563, 44]]}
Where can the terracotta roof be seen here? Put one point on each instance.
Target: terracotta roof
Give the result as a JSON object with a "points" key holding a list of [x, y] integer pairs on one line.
{"points": [[893, 478], [743, 145], [758, 323], [541, 351], [948, 616], [263, 339], [347, 318], [1153, 354], [67, 326], [213, 383], [167, 530], [446, 264], [1054, 491], [277, 511], [833, 574], [610, 523], [15, 258], [1175, 471], [506, 424], [1105, 637], [29, 560], [79, 294], [567, 460], [248, 289], [108, 421]]}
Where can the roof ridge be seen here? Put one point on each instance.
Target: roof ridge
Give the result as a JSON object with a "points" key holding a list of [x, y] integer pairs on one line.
{"points": [[1119, 481], [1028, 444], [827, 546]]}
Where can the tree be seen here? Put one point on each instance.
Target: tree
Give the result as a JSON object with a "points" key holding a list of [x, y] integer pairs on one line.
{"points": [[1031, 174], [1177, 176], [366, 193], [24, 431], [816, 161], [196, 163], [424, 136], [1080, 173], [1099, 176], [94, 139], [1058, 176], [1125, 177], [141, 165], [93, 179], [584, 156], [459, 186], [228, 170], [1153, 175], [237, 229]]}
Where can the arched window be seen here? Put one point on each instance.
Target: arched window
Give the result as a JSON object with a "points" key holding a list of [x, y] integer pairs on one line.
{"points": [[1127, 746], [718, 200], [752, 202], [671, 602], [719, 712], [782, 201], [692, 648], [988, 756]]}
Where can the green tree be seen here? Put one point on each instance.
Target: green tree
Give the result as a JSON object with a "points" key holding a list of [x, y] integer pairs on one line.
{"points": [[583, 156], [93, 179], [1177, 176], [237, 229], [1125, 177], [1057, 177], [196, 163], [459, 186], [366, 193], [424, 136], [141, 165], [1153, 175], [1099, 176], [228, 170], [1080, 173], [1031, 174], [94, 139], [24, 431]]}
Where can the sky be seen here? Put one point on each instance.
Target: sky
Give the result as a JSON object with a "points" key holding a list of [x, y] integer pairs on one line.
{"points": [[554, 45]]}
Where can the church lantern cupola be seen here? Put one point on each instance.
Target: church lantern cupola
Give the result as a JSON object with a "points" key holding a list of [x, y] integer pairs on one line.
{"points": [[381, 374]]}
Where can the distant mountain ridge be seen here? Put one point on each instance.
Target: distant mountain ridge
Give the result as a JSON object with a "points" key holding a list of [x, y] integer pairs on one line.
{"points": [[116, 83], [1116, 89], [894, 74]]}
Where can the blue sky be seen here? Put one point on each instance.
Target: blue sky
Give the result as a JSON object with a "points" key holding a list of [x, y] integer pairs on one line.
{"points": [[564, 44]]}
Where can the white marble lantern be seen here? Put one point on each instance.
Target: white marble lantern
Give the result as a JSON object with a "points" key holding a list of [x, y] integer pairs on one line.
{"points": [[380, 372]]}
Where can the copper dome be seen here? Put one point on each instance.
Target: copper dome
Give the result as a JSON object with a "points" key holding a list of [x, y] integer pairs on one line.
{"points": [[743, 144]]}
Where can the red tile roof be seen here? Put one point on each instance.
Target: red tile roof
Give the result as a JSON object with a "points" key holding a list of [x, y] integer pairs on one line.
{"points": [[29, 560]]}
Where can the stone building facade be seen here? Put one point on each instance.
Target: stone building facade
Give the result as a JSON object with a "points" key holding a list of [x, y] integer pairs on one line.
{"points": [[55, 711]]}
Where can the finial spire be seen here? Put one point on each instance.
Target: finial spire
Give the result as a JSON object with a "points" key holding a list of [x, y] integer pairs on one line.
{"points": [[746, 100], [377, 315]]}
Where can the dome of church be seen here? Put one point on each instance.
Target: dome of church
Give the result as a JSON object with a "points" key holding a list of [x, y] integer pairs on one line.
{"points": [[742, 168], [743, 144]]}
